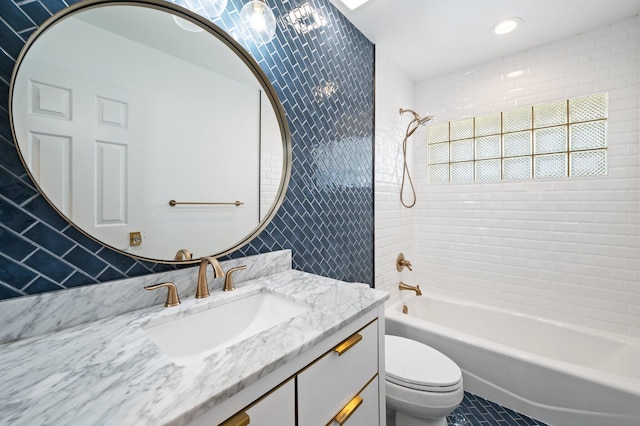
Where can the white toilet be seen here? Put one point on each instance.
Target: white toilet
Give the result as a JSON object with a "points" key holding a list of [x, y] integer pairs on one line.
{"points": [[423, 386]]}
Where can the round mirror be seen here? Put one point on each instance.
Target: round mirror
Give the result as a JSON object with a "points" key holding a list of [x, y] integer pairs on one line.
{"points": [[150, 129]]}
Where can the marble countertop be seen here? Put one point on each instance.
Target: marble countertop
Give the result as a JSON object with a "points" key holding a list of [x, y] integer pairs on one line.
{"points": [[107, 372]]}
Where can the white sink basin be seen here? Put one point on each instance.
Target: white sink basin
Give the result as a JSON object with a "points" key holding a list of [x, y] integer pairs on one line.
{"points": [[202, 333]]}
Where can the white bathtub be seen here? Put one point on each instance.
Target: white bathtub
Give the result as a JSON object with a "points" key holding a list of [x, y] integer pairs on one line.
{"points": [[557, 373]]}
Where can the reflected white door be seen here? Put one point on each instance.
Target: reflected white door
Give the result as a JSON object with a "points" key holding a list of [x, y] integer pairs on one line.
{"points": [[90, 159]]}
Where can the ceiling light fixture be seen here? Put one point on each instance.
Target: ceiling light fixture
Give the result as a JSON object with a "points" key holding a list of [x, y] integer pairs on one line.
{"points": [[258, 22], [305, 18], [506, 26], [353, 4]]}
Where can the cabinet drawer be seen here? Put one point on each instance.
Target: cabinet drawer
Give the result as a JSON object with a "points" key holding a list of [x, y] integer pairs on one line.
{"points": [[365, 414], [326, 386], [277, 408]]}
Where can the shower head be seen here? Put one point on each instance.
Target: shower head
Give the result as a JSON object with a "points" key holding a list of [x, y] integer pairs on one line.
{"points": [[425, 120], [421, 121]]}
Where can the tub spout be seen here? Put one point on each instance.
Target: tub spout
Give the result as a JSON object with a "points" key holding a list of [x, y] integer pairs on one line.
{"points": [[403, 286]]}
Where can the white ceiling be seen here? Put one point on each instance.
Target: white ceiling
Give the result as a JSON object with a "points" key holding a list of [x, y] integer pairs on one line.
{"points": [[432, 37]]}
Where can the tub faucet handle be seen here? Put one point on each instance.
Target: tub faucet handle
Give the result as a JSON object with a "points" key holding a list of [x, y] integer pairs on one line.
{"points": [[401, 263]]}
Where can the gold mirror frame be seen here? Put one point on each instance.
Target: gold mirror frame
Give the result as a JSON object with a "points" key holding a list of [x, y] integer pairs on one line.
{"points": [[230, 43]]}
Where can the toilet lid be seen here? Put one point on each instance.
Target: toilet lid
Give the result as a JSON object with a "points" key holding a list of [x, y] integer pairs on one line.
{"points": [[415, 365]]}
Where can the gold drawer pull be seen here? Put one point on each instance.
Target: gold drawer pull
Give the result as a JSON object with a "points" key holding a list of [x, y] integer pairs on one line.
{"points": [[348, 344], [348, 410], [240, 419]]}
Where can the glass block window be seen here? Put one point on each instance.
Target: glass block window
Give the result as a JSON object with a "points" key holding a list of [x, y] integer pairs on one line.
{"points": [[552, 140]]}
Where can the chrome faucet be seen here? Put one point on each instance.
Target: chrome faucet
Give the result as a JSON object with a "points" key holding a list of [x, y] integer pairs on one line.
{"points": [[416, 288], [202, 290]]}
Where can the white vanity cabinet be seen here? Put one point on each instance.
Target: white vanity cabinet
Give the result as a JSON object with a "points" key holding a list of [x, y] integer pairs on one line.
{"points": [[289, 374], [338, 385], [277, 408], [367, 413], [333, 383]]}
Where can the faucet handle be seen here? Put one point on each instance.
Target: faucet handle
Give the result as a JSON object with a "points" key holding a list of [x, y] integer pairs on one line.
{"points": [[228, 279], [172, 294], [401, 262]]}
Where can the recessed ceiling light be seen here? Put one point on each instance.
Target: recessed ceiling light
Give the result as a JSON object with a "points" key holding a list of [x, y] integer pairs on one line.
{"points": [[506, 26], [353, 4]]}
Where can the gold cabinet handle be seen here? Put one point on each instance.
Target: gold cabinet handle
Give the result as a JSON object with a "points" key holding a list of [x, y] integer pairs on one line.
{"points": [[240, 419], [348, 410], [347, 344]]}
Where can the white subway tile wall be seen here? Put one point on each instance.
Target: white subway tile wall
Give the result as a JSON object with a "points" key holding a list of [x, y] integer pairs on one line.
{"points": [[393, 223], [562, 248]]}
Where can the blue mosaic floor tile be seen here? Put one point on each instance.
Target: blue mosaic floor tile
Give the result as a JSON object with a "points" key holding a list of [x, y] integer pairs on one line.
{"points": [[481, 412]]}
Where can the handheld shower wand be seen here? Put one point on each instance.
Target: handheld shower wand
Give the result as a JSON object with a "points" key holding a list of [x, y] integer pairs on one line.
{"points": [[411, 128], [416, 122]]}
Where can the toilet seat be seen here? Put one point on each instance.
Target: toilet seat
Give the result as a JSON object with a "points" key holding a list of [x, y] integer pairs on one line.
{"points": [[417, 366]]}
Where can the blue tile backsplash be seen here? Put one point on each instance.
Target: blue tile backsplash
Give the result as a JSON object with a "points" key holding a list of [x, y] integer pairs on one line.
{"points": [[324, 78]]}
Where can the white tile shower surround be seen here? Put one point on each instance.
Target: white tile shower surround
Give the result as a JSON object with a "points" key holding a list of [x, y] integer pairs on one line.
{"points": [[566, 249], [393, 230]]}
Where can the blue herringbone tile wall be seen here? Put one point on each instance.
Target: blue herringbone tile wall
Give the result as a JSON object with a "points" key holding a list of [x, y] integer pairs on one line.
{"points": [[324, 78]]}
